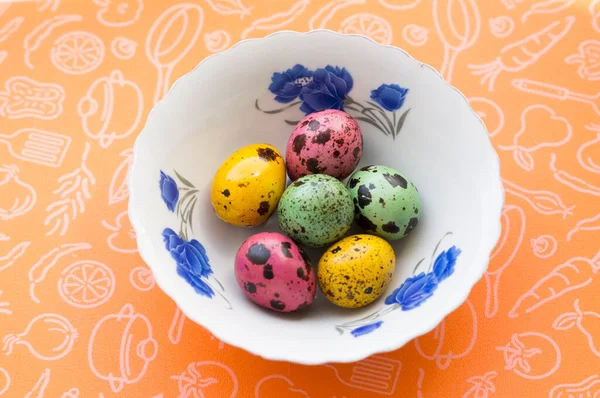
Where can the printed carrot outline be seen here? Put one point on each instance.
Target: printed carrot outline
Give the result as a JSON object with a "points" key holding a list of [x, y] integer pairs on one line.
{"points": [[543, 290], [568, 389], [544, 202], [543, 40], [571, 181], [586, 224], [278, 20]]}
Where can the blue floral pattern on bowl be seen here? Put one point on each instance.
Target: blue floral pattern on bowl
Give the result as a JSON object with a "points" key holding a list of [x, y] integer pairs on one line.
{"points": [[413, 292], [193, 264], [329, 88]]}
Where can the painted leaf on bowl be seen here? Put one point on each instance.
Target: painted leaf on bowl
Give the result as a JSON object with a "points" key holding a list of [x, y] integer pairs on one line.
{"points": [[329, 88], [191, 258], [413, 292]]}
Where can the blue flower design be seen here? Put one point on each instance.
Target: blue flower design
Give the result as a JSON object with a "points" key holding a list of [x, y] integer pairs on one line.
{"points": [[414, 291], [192, 261], [444, 264], [168, 190], [389, 96], [327, 90], [287, 85], [366, 329]]}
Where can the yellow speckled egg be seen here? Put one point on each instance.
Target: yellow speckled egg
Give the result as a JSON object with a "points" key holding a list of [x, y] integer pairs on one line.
{"points": [[356, 270], [247, 187]]}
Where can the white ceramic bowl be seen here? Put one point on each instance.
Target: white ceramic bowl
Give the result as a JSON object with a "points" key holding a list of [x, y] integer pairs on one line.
{"points": [[222, 105]]}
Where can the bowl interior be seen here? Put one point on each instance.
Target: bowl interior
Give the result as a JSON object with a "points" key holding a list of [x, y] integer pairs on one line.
{"points": [[213, 111]]}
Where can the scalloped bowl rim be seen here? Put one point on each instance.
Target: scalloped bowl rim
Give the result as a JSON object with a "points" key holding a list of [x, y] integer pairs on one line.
{"points": [[357, 354]]}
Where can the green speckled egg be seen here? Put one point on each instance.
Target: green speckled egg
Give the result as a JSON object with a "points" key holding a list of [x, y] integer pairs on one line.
{"points": [[386, 203], [315, 210]]}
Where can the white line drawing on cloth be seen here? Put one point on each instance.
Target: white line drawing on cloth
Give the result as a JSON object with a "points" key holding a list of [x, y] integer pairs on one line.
{"points": [[575, 273], [13, 255], [18, 198], [4, 306], [37, 146], [589, 387], [111, 97], [49, 260], [502, 26], [455, 41], [519, 358], [547, 7], [142, 278], [6, 385], [544, 202], [176, 328], [4, 237], [517, 56], [114, 14], [76, 53], [399, 4], [544, 246], [3, 55], [588, 60], [571, 181], [441, 353], [86, 284], [369, 25], [35, 38], [123, 238], [72, 393], [585, 159], [513, 231], [137, 347], [285, 387], [277, 21], [482, 385], [165, 53], [53, 337], [539, 129], [580, 319], [594, 8], [556, 92], [123, 48], [486, 109], [118, 190], [324, 15], [10, 27], [51, 5], [25, 97], [420, 382], [415, 35], [217, 41], [220, 344], [72, 192], [587, 224], [40, 387], [230, 7], [200, 376], [376, 374]]}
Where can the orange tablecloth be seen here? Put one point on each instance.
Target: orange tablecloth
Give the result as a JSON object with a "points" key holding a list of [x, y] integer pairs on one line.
{"points": [[70, 277]]}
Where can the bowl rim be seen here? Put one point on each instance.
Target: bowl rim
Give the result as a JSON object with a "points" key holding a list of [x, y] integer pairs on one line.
{"points": [[356, 354]]}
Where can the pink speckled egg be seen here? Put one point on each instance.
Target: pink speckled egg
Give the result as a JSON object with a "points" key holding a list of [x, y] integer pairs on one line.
{"points": [[327, 142], [275, 273]]}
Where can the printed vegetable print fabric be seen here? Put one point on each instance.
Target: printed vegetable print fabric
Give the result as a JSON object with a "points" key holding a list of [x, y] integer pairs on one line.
{"points": [[71, 280]]}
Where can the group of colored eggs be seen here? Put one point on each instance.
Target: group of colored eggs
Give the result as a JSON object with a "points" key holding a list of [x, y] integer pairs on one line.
{"points": [[315, 210]]}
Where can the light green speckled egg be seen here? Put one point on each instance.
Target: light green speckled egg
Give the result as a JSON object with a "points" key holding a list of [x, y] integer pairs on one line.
{"points": [[386, 203], [315, 210]]}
